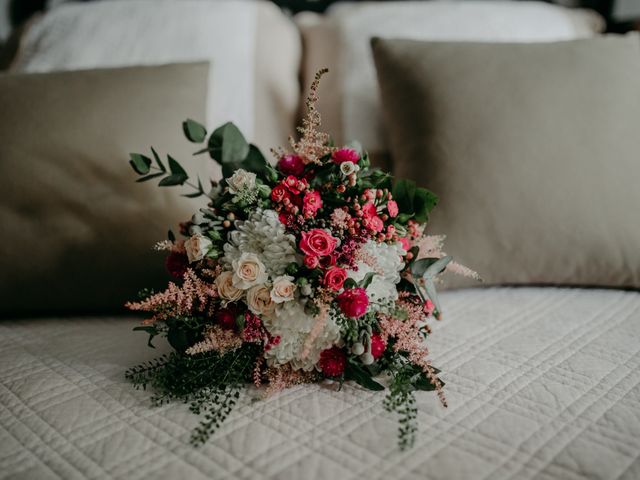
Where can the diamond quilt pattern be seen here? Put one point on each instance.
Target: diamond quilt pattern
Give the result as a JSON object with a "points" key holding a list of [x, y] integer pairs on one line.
{"points": [[541, 383]]}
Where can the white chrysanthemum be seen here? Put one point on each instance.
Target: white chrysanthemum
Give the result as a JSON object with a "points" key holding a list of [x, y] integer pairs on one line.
{"points": [[262, 234], [293, 326], [388, 264]]}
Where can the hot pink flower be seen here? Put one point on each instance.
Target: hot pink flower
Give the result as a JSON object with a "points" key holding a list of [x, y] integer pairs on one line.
{"points": [[375, 223], [311, 261], [377, 345], [312, 202], [318, 242], [334, 278], [295, 185], [291, 165], [428, 307], [405, 243], [345, 155], [369, 210], [392, 208], [353, 302]]}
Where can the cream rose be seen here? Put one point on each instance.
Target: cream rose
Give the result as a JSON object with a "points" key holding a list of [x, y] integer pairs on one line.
{"points": [[248, 271], [226, 290], [260, 302], [197, 247], [241, 180], [283, 289]]}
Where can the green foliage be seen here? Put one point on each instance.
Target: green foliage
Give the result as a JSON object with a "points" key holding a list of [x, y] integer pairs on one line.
{"points": [[413, 201], [362, 377], [194, 131], [227, 145], [140, 163], [210, 382]]}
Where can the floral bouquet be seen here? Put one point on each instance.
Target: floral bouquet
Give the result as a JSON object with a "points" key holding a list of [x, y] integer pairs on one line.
{"points": [[315, 269]]}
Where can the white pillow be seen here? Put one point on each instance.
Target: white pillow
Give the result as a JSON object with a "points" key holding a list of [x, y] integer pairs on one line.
{"points": [[349, 99], [231, 34]]}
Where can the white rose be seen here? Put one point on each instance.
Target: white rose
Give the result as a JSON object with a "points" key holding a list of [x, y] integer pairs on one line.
{"points": [[241, 180], [347, 168], [260, 302], [226, 290], [283, 289], [197, 247], [248, 271]]}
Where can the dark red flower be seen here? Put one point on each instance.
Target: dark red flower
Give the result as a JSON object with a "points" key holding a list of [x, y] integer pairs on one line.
{"points": [[226, 317], [332, 362], [176, 264], [353, 302], [377, 346], [279, 193], [291, 165]]}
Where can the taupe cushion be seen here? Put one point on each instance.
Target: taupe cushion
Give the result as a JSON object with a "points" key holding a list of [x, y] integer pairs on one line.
{"points": [[77, 230], [533, 149]]}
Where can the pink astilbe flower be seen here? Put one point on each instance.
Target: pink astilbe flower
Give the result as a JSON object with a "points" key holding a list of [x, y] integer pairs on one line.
{"points": [[320, 321], [313, 144], [216, 339], [280, 378], [409, 339], [193, 296], [458, 269], [430, 246]]}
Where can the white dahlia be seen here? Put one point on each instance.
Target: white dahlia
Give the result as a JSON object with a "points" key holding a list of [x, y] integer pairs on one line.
{"points": [[386, 261], [264, 235], [293, 326]]}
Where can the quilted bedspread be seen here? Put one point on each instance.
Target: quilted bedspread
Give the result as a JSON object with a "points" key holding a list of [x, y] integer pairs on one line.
{"points": [[541, 383]]}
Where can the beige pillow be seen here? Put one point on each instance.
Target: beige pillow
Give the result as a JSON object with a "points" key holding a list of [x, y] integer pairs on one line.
{"points": [[78, 231], [532, 148]]}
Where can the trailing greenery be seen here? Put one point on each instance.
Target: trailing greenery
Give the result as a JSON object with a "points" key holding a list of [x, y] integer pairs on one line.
{"points": [[209, 382]]}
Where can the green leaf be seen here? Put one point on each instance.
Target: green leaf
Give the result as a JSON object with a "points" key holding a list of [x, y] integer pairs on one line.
{"points": [[423, 203], [151, 330], [228, 145], [140, 163], [424, 384], [178, 338], [173, 180], [403, 193], [175, 167], [419, 267], [366, 281], [255, 161], [361, 377], [194, 131], [158, 161], [349, 283], [437, 267], [150, 177], [171, 236]]}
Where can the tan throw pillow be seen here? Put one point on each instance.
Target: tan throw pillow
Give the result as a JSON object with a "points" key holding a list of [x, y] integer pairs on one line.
{"points": [[533, 149], [77, 230]]}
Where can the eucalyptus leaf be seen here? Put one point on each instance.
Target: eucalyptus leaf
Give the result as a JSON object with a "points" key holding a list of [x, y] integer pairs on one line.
{"points": [[255, 161], [194, 131], [175, 167], [158, 161], [140, 163], [361, 377], [171, 236], [151, 330], [423, 203], [150, 177], [437, 267], [228, 145], [419, 267], [173, 180], [403, 193], [366, 281]]}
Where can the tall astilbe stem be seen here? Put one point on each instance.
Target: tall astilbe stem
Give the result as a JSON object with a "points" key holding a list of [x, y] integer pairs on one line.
{"points": [[193, 296], [313, 144]]}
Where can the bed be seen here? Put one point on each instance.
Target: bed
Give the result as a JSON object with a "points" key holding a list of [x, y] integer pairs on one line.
{"points": [[541, 383]]}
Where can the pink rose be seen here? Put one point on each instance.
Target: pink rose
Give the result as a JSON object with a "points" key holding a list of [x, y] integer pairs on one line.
{"points": [[405, 243], [334, 278], [392, 208], [317, 242], [279, 193], [428, 307], [291, 165], [369, 210], [353, 302], [311, 203], [294, 184], [375, 223], [311, 261], [345, 155]]}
